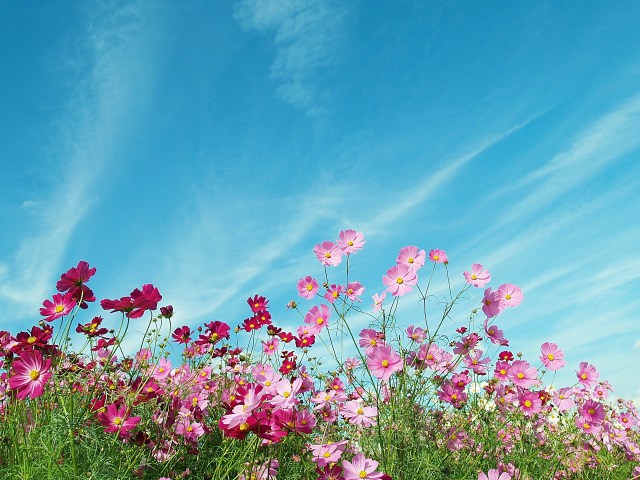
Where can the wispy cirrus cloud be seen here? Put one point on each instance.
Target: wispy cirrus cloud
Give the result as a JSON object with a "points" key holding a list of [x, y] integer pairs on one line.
{"points": [[307, 36], [101, 81]]}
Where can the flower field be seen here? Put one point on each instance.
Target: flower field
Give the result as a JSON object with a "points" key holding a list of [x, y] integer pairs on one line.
{"points": [[443, 396]]}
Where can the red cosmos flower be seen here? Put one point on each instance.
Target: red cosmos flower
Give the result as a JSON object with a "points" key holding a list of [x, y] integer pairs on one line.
{"points": [[30, 374], [58, 307], [286, 337], [137, 303], [116, 419], [182, 334], [167, 312], [257, 303], [102, 343], [91, 329], [74, 281], [216, 331]]}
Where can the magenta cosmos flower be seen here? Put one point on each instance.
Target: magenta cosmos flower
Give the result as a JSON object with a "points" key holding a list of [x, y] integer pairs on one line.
{"points": [[137, 303], [400, 280], [59, 306], [74, 281], [30, 375], [307, 287], [383, 361], [116, 419], [350, 241], [478, 276], [552, 357], [492, 303], [411, 257], [328, 253], [360, 468]]}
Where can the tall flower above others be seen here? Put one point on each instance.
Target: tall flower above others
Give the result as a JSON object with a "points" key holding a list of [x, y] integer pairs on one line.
{"points": [[552, 357], [30, 374], [438, 256], [492, 302], [411, 257], [478, 276], [400, 280], [137, 303], [57, 307], [350, 241], [587, 375], [328, 253], [74, 281]]}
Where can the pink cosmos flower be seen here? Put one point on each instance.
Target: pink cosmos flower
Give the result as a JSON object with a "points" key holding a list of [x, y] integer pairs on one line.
{"points": [[383, 361], [587, 426], [592, 411], [416, 334], [530, 403], [400, 280], [333, 293], [190, 430], [493, 303], [317, 318], [361, 468], [411, 257], [270, 347], [354, 290], [587, 375], [350, 241], [307, 287], [30, 375], [377, 301], [116, 419], [325, 454], [562, 399], [438, 256], [478, 277], [552, 357], [511, 294], [328, 253], [522, 374], [494, 334], [59, 306], [494, 474], [357, 414]]}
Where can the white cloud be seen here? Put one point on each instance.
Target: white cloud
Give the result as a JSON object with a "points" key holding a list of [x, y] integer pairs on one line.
{"points": [[307, 35]]}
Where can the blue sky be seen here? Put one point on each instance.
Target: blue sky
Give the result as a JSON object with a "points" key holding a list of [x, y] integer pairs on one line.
{"points": [[206, 147]]}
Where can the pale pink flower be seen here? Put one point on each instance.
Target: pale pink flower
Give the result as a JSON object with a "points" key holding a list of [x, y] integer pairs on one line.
{"points": [[326, 453], [369, 339], [587, 375], [270, 346], [400, 280], [552, 357], [530, 403], [358, 414], [350, 241], [361, 468], [411, 257], [307, 287], [333, 293], [478, 277], [354, 290], [416, 334], [317, 318], [510, 294], [383, 361], [377, 301], [562, 399], [494, 474], [494, 334], [438, 256], [587, 426], [328, 253]]}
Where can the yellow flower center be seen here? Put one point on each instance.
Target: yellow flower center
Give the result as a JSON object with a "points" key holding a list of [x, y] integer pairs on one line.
{"points": [[34, 374], [508, 296], [117, 421], [350, 243], [362, 474], [520, 375], [410, 260], [474, 277], [59, 308], [326, 454], [527, 403], [551, 357], [244, 426], [583, 376], [309, 287], [320, 321], [360, 411], [327, 255], [286, 394], [189, 428], [399, 281], [31, 340], [385, 363], [436, 257]]}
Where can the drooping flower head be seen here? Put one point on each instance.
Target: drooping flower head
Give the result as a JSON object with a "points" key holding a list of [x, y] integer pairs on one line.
{"points": [[492, 303], [74, 281]]}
